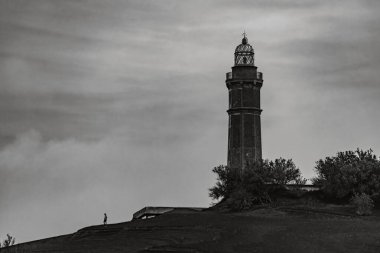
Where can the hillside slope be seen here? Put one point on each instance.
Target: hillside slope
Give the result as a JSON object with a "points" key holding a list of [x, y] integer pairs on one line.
{"points": [[262, 230]]}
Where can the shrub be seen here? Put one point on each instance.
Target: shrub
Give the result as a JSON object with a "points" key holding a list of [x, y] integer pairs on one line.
{"points": [[282, 171], [227, 180], [300, 180], [9, 241], [240, 199], [253, 185], [348, 172], [363, 203]]}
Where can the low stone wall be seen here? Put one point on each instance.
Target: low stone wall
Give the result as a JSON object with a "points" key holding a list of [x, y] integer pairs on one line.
{"points": [[150, 211]]}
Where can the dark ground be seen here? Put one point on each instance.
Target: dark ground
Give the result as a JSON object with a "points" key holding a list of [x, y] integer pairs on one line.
{"points": [[280, 229]]}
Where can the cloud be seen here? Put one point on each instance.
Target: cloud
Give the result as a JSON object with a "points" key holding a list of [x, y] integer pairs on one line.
{"points": [[76, 182]]}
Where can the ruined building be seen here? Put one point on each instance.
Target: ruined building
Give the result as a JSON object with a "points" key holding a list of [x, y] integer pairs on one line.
{"points": [[244, 127]]}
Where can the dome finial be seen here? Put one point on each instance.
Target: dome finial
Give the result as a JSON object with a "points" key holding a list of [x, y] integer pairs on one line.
{"points": [[245, 39]]}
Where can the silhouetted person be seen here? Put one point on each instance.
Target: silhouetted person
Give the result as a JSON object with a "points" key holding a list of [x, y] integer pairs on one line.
{"points": [[105, 219]]}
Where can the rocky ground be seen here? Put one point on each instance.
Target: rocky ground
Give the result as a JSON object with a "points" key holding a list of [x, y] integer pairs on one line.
{"points": [[296, 228]]}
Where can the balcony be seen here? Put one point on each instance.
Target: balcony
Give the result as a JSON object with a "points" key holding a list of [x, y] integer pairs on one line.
{"points": [[259, 76]]}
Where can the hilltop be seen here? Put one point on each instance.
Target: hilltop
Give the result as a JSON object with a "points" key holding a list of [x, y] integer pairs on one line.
{"points": [[268, 229]]}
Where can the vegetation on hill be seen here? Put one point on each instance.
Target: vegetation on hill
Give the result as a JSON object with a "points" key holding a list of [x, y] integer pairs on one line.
{"points": [[347, 173], [253, 185], [9, 241], [349, 177]]}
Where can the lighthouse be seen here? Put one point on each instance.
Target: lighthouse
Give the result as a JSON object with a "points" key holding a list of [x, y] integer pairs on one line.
{"points": [[244, 123]]}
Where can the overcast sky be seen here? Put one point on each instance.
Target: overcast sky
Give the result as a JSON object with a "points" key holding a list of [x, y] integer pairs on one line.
{"points": [[110, 106]]}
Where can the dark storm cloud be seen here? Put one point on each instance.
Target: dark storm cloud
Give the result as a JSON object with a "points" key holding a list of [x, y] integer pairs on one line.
{"points": [[49, 60], [113, 105]]}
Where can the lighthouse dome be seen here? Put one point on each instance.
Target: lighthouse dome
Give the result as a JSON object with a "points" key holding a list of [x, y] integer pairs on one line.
{"points": [[244, 54]]}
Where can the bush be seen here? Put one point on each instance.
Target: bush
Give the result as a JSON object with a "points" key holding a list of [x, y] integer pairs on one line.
{"points": [[227, 181], [349, 172], [363, 203], [8, 242], [240, 200], [282, 171], [253, 185]]}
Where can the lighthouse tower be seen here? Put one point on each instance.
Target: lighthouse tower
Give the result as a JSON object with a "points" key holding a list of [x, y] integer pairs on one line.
{"points": [[244, 126]]}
